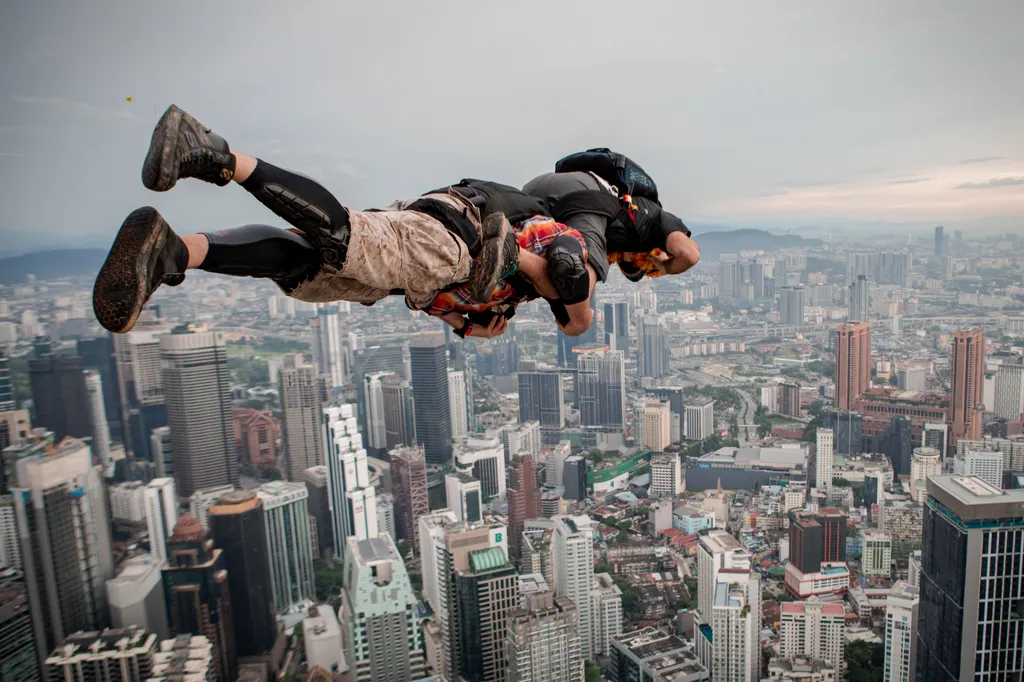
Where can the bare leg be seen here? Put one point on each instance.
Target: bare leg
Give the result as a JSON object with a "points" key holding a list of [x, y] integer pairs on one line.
{"points": [[198, 246]]}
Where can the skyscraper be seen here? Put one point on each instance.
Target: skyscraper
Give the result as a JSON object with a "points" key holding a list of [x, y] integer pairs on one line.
{"points": [[140, 385], [941, 241], [791, 305], [457, 403], [161, 504], [98, 418], [197, 387], [352, 498], [543, 640], [860, 300], [823, 460], [303, 411], [61, 511], [971, 573], [656, 428], [813, 629], [319, 505], [523, 500], [328, 347], [853, 363], [98, 354], [375, 435], [288, 543], [464, 496], [399, 412], [901, 632], [600, 388], [574, 477], [60, 397], [653, 347], [378, 359], [484, 456], [6, 390], [1009, 403], [574, 556], [19, 657], [429, 361], [736, 623], [666, 476], [379, 614], [124, 654], [487, 591], [967, 378], [542, 398], [238, 527], [409, 483], [136, 595], [198, 594], [699, 422], [616, 326]]}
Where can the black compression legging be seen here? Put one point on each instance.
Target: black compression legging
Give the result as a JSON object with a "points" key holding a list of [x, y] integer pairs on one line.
{"points": [[300, 200]]}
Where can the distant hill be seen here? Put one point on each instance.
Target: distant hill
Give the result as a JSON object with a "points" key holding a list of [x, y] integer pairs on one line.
{"points": [[714, 244], [51, 265]]}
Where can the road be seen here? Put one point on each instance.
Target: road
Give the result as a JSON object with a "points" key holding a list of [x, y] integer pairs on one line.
{"points": [[748, 429]]}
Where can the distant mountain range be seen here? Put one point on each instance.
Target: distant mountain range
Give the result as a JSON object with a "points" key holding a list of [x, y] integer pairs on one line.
{"points": [[66, 263]]}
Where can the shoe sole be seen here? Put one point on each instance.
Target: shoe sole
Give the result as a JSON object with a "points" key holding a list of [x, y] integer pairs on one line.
{"points": [[121, 289], [160, 169], [488, 261]]}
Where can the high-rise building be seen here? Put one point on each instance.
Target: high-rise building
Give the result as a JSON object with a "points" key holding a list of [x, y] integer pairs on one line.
{"points": [[379, 614], [399, 412], [328, 347], [574, 578], [60, 397], [814, 630], [1009, 403], [936, 436], [6, 388], [653, 347], [606, 612], [925, 463], [791, 305], [19, 657], [900, 633], [824, 459], [656, 429], [197, 387], [487, 592], [574, 477], [288, 543], [666, 476], [967, 378], [429, 361], [121, 655], [198, 594], [616, 326], [409, 483], [541, 397], [201, 500], [717, 550], [816, 538], [601, 388], [484, 456], [140, 385], [986, 464], [971, 546], [736, 624], [98, 418], [521, 438], [789, 401], [161, 449], [10, 547], [319, 506], [913, 378], [15, 427], [352, 498], [257, 436], [378, 359], [375, 434], [191, 653], [523, 500], [853, 363], [876, 555], [386, 515], [161, 504], [462, 490], [941, 241], [457, 403], [136, 596], [61, 511], [699, 422], [860, 300], [543, 640], [303, 411], [238, 527]]}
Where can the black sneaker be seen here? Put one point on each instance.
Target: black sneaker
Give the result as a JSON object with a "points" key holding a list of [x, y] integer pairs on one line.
{"points": [[182, 147], [498, 257], [146, 253]]}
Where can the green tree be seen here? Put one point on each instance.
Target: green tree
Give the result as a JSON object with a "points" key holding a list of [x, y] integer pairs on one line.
{"points": [[591, 672], [625, 525], [403, 548], [865, 662], [621, 537]]}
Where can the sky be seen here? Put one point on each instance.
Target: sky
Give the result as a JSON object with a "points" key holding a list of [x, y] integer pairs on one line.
{"points": [[790, 113]]}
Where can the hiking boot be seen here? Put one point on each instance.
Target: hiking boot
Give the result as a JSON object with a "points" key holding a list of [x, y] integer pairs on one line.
{"points": [[182, 147], [498, 257], [146, 253]]}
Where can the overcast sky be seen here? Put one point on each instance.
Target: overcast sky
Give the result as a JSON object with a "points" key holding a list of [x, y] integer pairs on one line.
{"points": [[742, 111]]}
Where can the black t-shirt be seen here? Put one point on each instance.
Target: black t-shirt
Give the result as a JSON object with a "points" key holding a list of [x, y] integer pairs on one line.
{"points": [[648, 230]]}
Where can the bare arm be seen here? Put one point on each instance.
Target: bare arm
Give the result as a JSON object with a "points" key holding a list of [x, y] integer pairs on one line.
{"points": [[682, 254], [535, 269], [497, 326]]}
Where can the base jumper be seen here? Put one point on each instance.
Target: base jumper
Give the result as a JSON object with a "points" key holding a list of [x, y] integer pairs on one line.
{"points": [[416, 247]]}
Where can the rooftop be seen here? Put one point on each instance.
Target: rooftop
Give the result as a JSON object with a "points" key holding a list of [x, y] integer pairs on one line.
{"points": [[487, 559], [376, 549], [972, 499], [718, 540], [797, 607], [784, 457], [130, 640], [650, 642]]}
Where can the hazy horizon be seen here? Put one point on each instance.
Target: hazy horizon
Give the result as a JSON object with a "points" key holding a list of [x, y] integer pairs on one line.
{"points": [[746, 116]]}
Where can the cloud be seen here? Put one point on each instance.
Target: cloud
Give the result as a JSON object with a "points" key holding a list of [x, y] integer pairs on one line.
{"points": [[908, 181], [806, 183], [994, 183], [983, 159], [73, 107], [776, 193]]}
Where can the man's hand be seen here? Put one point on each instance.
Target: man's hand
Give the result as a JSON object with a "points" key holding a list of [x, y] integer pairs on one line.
{"points": [[535, 269], [497, 327]]}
